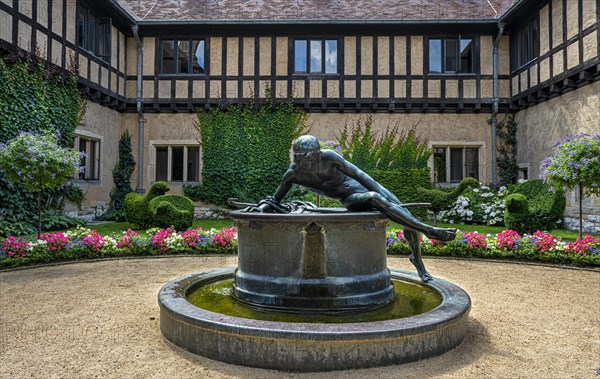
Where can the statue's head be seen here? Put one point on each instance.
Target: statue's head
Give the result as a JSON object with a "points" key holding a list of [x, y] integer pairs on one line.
{"points": [[307, 151], [305, 144]]}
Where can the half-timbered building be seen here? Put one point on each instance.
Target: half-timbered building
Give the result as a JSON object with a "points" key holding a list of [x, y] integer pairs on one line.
{"points": [[452, 69]]}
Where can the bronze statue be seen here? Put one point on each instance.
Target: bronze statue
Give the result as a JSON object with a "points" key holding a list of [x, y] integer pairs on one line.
{"points": [[327, 173]]}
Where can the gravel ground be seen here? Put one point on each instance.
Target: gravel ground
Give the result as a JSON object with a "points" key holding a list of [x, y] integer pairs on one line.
{"points": [[101, 319]]}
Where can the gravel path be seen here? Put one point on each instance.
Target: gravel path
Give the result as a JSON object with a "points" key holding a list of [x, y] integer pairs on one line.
{"points": [[100, 319]]}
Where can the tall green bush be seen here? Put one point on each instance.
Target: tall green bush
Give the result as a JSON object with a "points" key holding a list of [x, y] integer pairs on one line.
{"points": [[392, 150], [121, 177], [34, 98], [245, 151], [508, 169]]}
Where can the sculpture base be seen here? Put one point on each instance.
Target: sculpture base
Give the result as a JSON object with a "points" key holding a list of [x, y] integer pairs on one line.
{"points": [[318, 262]]}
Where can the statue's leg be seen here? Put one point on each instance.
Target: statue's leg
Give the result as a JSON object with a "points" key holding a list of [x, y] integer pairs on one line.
{"points": [[399, 214], [412, 236]]}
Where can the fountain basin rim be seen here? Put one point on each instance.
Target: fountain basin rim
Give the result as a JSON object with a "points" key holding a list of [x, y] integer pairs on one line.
{"points": [[341, 214], [456, 303]]}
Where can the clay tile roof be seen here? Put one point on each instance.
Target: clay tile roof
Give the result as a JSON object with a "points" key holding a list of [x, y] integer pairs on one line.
{"points": [[313, 10]]}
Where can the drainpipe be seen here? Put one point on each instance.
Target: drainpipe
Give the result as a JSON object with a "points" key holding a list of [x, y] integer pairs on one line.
{"points": [[140, 110], [495, 102]]}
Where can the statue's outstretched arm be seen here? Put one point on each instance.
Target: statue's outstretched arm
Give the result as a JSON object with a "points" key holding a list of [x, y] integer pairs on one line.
{"points": [[286, 184]]}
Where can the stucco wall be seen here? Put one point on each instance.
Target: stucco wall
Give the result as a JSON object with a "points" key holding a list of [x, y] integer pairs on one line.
{"points": [[541, 126], [437, 129], [100, 122]]}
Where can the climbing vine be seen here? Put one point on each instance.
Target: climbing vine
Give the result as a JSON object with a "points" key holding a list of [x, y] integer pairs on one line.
{"points": [[245, 150], [508, 170], [35, 98]]}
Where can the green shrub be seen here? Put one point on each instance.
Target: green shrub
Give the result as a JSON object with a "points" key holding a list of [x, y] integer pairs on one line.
{"points": [[516, 214], [441, 198], [402, 183], [136, 210], [136, 205], [172, 210], [541, 209], [121, 175]]}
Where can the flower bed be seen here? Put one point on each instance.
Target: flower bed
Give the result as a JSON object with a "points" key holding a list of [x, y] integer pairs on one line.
{"points": [[83, 243], [538, 246]]}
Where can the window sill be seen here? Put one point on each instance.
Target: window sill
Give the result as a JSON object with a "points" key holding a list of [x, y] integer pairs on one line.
{"points": [[170, 76], [452, 74], [105, 60]]}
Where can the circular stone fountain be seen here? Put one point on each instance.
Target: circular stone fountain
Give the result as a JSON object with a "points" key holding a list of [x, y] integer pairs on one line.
{"points": [[329, 267]]}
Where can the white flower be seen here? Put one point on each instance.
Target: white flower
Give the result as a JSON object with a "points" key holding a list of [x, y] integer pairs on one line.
{"points": [[470, 213], [476, 190]]}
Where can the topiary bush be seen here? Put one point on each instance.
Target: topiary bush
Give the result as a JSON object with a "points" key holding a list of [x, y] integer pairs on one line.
{"points": [[441, 199], [136, 205], [516, 214], [542, 207], [172, 210]]}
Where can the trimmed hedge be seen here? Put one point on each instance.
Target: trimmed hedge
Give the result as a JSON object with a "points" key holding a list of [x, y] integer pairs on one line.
{"points": [[172, 210], [136, 205], [533, 206]]}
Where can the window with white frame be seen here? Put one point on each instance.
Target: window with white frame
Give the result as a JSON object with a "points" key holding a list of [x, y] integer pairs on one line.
{"points": [[315, 56], [90, 163], [451, 164], [177, 163]]}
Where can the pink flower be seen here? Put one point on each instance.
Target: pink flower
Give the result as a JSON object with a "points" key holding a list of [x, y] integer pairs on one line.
{"points": [[475, 240], [543, 241], [158, 240], [14, 248], [55, 241], [583, 246], [94, 240], [190, 237], [224, 236], [506, 239], [127, 239]]}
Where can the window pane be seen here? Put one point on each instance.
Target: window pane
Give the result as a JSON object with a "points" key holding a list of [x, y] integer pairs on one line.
{"points": [[316, 51], [439, 165], [177, 164], [435, 55], [456, 164], [168, 57], [300, 56], [93, 160], [451, 60], [472, 162], [193, 164], [198, 59], [162, 157], [85, 160], [466, 55], [103, 38], [331, 57], [183, 56], [81, 23]]}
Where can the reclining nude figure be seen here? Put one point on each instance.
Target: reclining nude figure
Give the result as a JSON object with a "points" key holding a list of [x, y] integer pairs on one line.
{"points": [[327, 173]]}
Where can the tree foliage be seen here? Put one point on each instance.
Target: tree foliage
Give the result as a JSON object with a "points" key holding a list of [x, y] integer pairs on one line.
{"points": [[574, 162], [37, 162]]}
